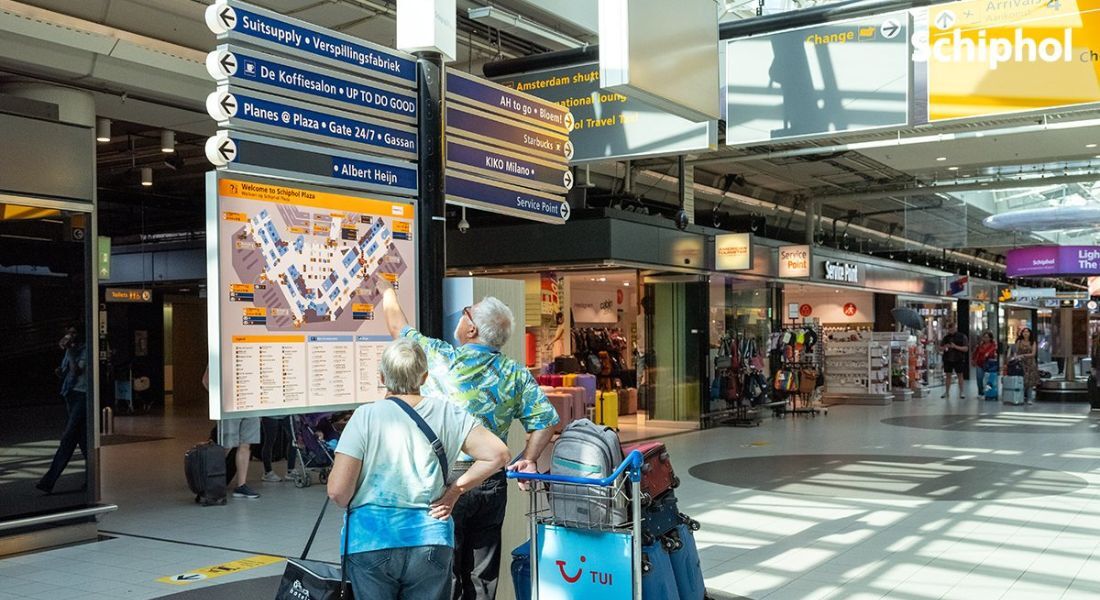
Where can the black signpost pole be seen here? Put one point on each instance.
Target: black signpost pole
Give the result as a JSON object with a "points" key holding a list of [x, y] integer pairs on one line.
{"points": [[431, 216]]}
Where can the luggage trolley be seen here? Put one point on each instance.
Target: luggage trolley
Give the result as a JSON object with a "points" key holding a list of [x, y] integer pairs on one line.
{"points": [[590, 554]]}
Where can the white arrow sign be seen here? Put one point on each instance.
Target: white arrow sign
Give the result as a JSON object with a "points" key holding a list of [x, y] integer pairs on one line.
{"points": [[568, 150], [890, 28], [221, 63], [567, 179], [564, 211], [220, 150], [221, 105], [945, 20], [220, 18]]}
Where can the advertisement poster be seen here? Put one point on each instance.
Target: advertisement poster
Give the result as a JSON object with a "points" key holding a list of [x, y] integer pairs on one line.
{"points": [[298, 299]]}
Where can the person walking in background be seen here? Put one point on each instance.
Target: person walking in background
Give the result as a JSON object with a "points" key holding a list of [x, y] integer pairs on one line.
{"points": [[270, 427], [239, 434], [985, 357], [74, 390], [393, 475], [1027, 349], [495, 389], [954, 346]]}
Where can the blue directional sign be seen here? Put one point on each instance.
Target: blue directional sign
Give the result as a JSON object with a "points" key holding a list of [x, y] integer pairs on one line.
{"points": [[515, 135], [233, 20], [248, 110], [476, 192], [508, 166], [257, 70], [468, 89], [370, 171]]}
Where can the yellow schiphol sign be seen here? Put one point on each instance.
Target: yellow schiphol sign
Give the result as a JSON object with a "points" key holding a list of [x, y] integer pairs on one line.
{"points": [[266, 192], [989, 57]]}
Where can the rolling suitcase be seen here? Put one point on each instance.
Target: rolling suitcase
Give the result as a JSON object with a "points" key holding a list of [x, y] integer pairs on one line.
{"points": [[204, 467], [687, 570], [657, 474], [628, 401], [607, 409], [662, 516], [1012, 389], [991, 380], [569, 380], [586, 449], [563, 403], [588, 382], [543, 380], [577, 396], [521, 570], [555, 380], [658, 580]]}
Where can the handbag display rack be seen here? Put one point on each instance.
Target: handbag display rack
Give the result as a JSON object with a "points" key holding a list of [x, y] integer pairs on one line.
{"points": [[739, 388], [798, 363]]}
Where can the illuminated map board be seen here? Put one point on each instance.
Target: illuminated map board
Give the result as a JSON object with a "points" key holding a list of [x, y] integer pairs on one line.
{"points": [[297, 309]]}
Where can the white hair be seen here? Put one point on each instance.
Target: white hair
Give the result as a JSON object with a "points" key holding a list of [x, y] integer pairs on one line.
{"points": [[403, 366], [493, 320]]}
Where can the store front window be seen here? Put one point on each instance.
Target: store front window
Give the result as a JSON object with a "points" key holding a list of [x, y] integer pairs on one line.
{"points": [[676, 312], [741, 323], [47, 396]]}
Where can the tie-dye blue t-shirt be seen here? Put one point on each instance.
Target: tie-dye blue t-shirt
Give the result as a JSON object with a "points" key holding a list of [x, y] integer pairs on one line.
{"points": [[400, 476]]}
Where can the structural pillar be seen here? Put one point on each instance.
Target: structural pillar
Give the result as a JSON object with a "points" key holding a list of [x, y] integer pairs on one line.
{"points": [[430, 208]]}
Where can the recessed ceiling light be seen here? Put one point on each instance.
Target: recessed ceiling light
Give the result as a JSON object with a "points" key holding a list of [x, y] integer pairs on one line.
{"points": [[952, 168], [1097, 156], [941, 158], [1090, 145]]}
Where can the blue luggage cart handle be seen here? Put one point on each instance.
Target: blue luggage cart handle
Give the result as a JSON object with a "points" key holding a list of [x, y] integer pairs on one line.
{"points": [[633, 461]]}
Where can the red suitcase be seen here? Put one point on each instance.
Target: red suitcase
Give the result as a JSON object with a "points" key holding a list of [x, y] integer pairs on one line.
{"points": [[657, 474], [556, 380]]}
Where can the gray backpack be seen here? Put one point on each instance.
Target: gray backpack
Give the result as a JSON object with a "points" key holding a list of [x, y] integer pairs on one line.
{"points": [[592, 451]]}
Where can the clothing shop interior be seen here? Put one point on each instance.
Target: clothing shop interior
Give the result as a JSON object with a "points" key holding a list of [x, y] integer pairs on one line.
{"points": [[803, 299]]}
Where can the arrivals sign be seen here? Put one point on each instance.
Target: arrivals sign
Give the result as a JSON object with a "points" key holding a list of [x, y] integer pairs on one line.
{"points": [[733, 251], [794, 261], [777, 87], [985, 58], [1041, 261]]}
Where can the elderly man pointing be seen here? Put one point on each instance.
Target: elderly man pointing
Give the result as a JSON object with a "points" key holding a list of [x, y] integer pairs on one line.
{"points": [[494, 389]]}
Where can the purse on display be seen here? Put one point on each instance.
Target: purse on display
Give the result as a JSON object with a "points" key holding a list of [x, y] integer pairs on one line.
{"points": [[807, 381]]}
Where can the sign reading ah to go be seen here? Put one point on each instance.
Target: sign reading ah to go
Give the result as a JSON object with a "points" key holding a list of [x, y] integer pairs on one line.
{"points": [[993, 57]]}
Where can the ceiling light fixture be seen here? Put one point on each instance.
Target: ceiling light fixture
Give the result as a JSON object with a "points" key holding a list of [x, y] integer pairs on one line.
{"points": [[941, 158], [167, 141], [952, 168], [102, 130], [1090, 145], [147, 176]]}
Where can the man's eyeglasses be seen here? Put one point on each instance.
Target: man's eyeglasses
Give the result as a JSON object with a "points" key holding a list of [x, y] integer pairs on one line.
{"points": [[469, 315]]}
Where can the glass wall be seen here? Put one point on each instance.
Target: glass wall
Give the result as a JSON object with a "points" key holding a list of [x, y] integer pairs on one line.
{"points": [[47, 397], [676, 313], [740, 310]]}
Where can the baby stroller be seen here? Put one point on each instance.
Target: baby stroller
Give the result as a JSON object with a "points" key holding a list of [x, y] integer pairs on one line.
{"points": [[315, 436]]}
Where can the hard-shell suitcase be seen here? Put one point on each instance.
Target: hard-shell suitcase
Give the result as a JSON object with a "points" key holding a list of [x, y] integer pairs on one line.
{"points": [[555, 380], [204, 467], [577, 395], [663, 515], [586, 449], [657, 474], [563, 403], [588, 382], [658, 580], [521, 570], [607, 409], [628, 401], [991, 380], [686, 567], [1012, 389], [569, 380], [543, 379]]}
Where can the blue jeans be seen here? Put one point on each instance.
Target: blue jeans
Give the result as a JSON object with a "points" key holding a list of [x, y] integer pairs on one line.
{"points": [[414, 573]]}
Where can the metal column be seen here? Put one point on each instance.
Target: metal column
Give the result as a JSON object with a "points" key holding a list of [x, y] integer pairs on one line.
{"points": [[431, 216]]}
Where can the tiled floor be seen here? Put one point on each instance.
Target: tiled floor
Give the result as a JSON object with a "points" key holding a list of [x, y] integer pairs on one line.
{"points": [[921, 500]]}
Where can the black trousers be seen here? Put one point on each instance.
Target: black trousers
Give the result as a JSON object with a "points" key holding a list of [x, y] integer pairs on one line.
{"points": [[478, 516], [270, 429], [75, 434]]}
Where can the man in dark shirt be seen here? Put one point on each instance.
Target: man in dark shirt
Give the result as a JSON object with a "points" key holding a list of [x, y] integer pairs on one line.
{"points": [[955, 347]]}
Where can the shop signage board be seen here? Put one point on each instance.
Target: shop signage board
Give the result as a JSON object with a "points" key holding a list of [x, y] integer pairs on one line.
{"points": [[611, 125], [294, 278], [311, 163], [244, 67], [733, 251], [794, 261], [987, 58], [494, 196], [509, 166], [240, 22], [823, 79], [236, 108], [1041, 261], [841, 272], [128, 295]]}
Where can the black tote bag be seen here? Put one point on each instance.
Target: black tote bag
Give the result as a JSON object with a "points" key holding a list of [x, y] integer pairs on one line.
{"points": [[305, 579]]}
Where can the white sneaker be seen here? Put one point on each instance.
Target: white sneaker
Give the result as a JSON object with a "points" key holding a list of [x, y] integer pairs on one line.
{"points": [[272, 477]]}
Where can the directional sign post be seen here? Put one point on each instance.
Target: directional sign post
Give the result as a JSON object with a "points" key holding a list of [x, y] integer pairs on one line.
{"points": [[509, 166], [493, 196]]}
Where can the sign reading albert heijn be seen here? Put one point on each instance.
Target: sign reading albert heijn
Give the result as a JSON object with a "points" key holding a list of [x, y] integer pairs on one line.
{"points": [[1043, 261], [240, 22], [507, 151], [235, 65]]}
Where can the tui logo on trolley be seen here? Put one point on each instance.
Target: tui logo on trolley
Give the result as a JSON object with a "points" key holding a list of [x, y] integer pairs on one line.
{"points": [[582, 563]]}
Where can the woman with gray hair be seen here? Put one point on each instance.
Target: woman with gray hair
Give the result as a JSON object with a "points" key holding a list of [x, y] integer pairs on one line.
{"points": [[393, 475]]}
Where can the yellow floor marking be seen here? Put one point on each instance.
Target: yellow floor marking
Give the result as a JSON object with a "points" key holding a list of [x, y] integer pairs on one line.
{"points": [[236, 566]]}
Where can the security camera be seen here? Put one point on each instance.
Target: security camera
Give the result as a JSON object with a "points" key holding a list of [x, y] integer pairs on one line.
{"points": [[681, 219], [463, 224]]}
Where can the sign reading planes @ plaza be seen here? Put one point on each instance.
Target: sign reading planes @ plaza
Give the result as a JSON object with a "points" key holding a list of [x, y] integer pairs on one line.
{"points": [[827, 78], [995, 56], [240, 22]]}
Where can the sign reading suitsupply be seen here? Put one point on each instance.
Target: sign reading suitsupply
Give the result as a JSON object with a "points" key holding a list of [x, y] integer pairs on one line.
{"points": [[986, 58], [507, 152]]}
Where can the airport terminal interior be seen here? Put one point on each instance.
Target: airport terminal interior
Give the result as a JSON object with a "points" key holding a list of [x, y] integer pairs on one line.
{"points": [[835, 263]]}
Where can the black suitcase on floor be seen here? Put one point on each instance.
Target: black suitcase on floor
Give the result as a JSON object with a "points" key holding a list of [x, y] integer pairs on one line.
{"points": [[204, 466]]}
